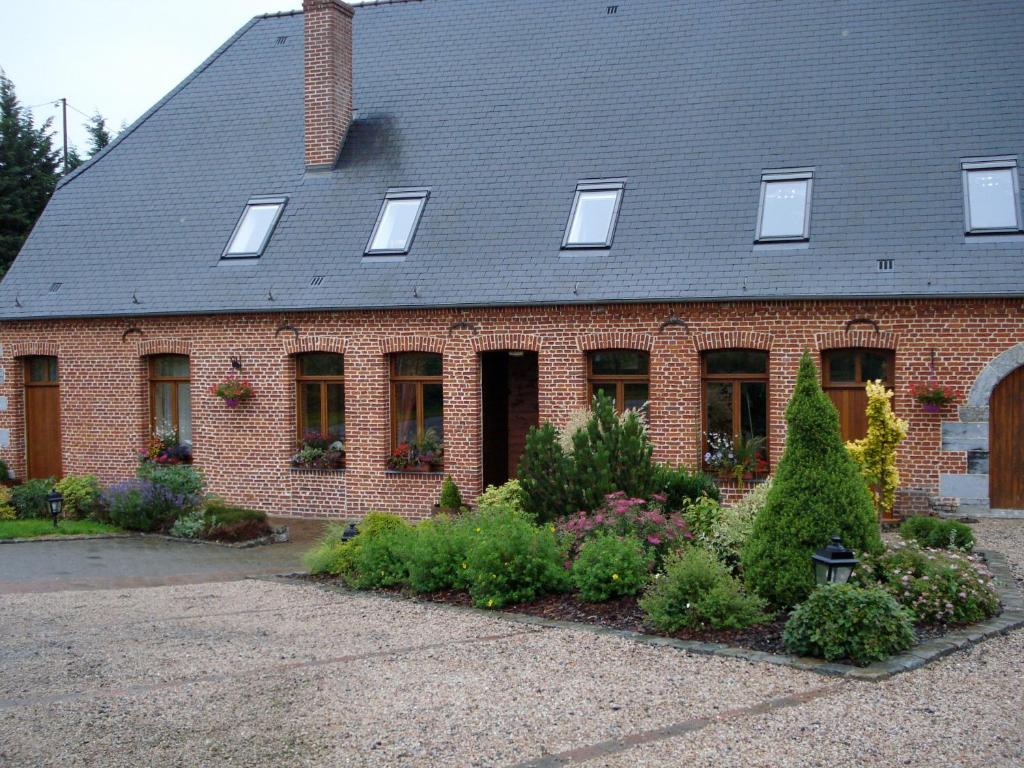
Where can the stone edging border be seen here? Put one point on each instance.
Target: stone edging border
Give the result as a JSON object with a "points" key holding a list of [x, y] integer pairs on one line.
{"points": [[1011, 618], [70, 537], [273, 538]]}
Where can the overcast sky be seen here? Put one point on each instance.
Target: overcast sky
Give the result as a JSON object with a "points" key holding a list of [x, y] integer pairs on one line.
{"points": [[115, 56]]}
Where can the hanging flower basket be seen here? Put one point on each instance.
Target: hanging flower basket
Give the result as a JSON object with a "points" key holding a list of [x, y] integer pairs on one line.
{"points": [[233, 391], [933, 396]]}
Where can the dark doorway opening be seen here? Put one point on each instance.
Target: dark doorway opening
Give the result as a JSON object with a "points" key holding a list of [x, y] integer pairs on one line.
{"points": [[509, 408]]}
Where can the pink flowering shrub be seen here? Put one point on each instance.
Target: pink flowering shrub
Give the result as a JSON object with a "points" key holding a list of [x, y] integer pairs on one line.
{"points": [[939, 586], [659, 531]]}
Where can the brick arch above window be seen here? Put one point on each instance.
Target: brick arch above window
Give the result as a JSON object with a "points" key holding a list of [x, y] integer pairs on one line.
{"points": [[862, 339], [163, 347], [333, 344], [703, 342], [391, 344], [35, 349], [499, 341], [593, 342]]}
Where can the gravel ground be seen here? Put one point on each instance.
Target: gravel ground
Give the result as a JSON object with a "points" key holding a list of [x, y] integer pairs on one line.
{"points": [[256, 673]]}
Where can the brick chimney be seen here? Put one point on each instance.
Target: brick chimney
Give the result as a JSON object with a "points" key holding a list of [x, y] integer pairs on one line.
{"points": [[328, 79]]}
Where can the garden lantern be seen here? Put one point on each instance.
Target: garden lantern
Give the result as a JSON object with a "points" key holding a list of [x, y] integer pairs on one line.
{"points": [[350, 532], [834, 564], [55, 501]]}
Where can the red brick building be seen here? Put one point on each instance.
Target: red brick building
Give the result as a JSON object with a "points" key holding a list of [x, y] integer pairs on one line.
{"points": [[418, 217]]}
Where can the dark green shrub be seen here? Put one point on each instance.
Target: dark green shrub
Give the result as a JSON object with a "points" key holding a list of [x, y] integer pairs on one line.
{"points": [[843, 621], [511, 560], [936, 533], [29, 498], [183, 481], [680, 486], [545, 475], [609, 566], [435, 555], [450, 497], [817, 493], [81, 495], [938, 586], [5, 472], [697, 591], [376, 557], [140, 505]]}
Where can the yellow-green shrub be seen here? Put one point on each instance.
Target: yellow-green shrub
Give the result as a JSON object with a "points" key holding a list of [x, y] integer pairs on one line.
{"points": [[876, 453]]}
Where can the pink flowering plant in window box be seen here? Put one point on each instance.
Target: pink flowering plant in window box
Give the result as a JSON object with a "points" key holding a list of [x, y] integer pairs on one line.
{"points": [[660, 531]]}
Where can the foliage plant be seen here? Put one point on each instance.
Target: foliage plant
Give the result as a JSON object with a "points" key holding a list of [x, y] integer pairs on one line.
{"points": [[375, 557], [934, 395], [425, 452], [697, 592], [511, 560], [450, 498], [735, 458], [875, 454], [165, 448], [190, 525], [703, 517], [681, 486], [7, 511], [225, 522], [937, 586], [182, 482], [660, 532], [735, 526], [81, 495], [435, 555], [844, 621], [936, 533], [818, 493], [545, 475], [233, 391], [610, 566], [141, 505], [318, 452], [329, 556], [509, 495], [29, 498]]}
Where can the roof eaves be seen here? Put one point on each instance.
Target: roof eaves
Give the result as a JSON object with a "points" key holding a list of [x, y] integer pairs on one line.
{"points": [[174, 92]]}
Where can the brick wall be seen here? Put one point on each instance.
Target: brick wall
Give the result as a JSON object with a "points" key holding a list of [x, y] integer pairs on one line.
{"points": [[245, 452]]}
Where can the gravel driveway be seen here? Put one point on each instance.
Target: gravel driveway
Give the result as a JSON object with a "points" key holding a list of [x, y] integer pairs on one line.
{"points": [[257, 673]]}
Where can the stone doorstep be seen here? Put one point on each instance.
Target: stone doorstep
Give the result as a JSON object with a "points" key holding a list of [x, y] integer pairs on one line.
{"points": [[1011, 618]]}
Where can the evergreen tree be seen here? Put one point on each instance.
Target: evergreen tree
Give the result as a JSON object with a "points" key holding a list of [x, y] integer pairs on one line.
{"points": [[74, 159], [99, 136], [29, 169], [817, 493], [545, 475]]}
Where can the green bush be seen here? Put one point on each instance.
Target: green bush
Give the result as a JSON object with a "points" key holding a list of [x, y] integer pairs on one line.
{"points": [[818, 493], [375, 557], [81, 495], [508, 495], [182, 481], [843, 621], [697, 591], [938, 586], [450, 496], [703, 517], [29, 498], [140, 505], [735, 526], [6, 510], [435, 554], [330, 555], [609, 566], [545, 474], [936, 533], [190, 525], [680, 486], [511, 560]]}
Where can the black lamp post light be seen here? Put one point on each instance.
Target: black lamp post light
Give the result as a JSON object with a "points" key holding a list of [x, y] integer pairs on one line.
{"points": [[55, 502], [834, 563], [350, 533]]}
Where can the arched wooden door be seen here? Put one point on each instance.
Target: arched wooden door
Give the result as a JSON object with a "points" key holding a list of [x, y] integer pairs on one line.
{"points": [[1006, 443], [42, 417]]}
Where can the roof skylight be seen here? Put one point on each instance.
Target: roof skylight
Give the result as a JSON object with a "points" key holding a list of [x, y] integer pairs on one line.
{"points": [[396, 223], [253, 230]]}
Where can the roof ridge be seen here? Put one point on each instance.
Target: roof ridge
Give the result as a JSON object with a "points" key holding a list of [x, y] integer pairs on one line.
{"points": [[156, 107]]}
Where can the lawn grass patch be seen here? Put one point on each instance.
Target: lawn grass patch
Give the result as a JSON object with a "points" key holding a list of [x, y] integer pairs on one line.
{"points": [[30, 529]]}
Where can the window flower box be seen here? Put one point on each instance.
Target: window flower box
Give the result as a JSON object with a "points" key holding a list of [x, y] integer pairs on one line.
{"points": [[933, 396]]}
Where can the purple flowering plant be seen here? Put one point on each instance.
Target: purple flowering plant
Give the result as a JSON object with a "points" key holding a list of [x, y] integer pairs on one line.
{"points": [[660, 531]]}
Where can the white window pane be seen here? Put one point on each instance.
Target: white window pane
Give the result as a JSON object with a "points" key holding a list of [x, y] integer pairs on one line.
{"points": [[784, 206], [256, 222], [991, 198], [592, 223], [184, 414], [396, 225]]}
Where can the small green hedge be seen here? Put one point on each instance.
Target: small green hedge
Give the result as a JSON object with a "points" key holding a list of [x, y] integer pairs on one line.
{"points": [[843, 621], [610, 566], [935, 533]]}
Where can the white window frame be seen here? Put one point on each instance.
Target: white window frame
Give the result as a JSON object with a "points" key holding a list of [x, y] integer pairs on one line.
{"points": [[280, 202], [1008, 163], [791, 174], [595, 185], [397, 194]]}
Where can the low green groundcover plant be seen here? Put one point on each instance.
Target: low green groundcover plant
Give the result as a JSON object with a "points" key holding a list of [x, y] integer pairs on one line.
{"points": [[29, 498], [610, 566], [938, 586], [936, 533], [28, 529], [696, 591], [844, 621]]}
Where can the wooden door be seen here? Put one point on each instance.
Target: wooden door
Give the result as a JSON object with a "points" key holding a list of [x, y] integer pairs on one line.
{"points": [[42, 417], [845, 373], [1006, 443]]}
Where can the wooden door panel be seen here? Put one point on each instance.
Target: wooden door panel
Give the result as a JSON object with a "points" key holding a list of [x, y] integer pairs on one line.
{"points": [[852, 406], [42, 431], [1006, 443]]}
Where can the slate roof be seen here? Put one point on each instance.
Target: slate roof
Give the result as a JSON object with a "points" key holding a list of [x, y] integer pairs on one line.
{"points": [[499, 107]]}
